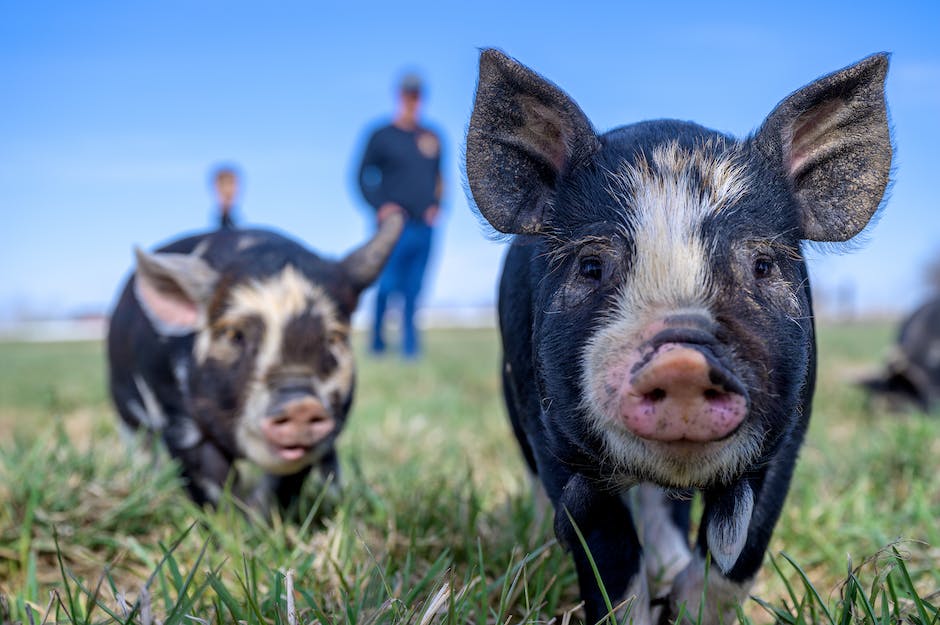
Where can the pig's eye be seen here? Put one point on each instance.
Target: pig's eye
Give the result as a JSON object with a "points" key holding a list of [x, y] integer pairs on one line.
{"points": [[591, 268], [763, 267], [234, 336], [337, 338]]}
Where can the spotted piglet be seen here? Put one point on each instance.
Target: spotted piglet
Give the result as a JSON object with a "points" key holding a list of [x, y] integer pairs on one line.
{"points": [[235, 345], [656, 320]]}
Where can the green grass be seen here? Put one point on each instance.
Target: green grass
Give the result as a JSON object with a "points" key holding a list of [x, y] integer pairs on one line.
{"points": [[435, 523], [42, 382]]}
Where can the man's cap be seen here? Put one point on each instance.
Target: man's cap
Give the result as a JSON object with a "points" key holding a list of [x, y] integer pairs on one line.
{"points": [[411, 83]]}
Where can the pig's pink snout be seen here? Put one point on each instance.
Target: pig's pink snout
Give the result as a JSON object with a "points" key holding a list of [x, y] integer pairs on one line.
{"points": [[680, 393], [297, 426]]}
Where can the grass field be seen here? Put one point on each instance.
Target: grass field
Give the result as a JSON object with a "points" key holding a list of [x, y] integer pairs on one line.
{"points": [[435, 524]]}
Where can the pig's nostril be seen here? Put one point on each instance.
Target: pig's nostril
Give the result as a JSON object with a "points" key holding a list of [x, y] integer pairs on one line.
{"points": [[656, 395], [281, 420], [712, 394]]}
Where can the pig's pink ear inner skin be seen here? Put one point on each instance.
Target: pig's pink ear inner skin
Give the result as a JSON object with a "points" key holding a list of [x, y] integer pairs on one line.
{"points": [[833, 141], [172, 289], [524, 134]]}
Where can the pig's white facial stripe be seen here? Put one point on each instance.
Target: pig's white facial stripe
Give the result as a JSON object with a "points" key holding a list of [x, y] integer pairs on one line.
{"points": [[664, 202], [276, 301]]}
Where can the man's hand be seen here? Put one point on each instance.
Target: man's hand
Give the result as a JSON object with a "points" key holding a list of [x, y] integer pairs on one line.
{"points": [[431, 213], [387, 209]]}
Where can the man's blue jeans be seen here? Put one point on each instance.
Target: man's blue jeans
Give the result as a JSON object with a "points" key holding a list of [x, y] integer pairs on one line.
{"points": [[403, 274]]}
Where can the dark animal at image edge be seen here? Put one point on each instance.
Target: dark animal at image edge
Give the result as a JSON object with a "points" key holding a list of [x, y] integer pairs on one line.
{"points": [[656, 319], [911, 377], [235, 345]]}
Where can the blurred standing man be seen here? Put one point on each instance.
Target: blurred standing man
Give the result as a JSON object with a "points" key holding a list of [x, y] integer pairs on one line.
{"points": [[225, 185], [401, 173]]}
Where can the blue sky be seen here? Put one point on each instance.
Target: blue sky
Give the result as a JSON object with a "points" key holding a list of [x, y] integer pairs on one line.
{"points": [[113, 113]]}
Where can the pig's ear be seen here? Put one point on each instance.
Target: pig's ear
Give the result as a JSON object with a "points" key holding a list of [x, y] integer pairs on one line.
{"points": [[832, 140], [525, 133], [364, 264], [173, 290]]}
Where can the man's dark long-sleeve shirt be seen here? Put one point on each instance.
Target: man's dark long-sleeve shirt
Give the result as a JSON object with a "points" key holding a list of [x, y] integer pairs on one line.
{"points": [[401, 166]]}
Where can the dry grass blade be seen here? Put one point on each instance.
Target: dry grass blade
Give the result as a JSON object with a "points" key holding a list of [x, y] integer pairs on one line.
{"points": [[289, 590]]}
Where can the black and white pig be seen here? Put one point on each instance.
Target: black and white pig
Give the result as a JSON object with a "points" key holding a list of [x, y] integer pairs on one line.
{"points": [[235, 344], [911, 377], [656, 318]]}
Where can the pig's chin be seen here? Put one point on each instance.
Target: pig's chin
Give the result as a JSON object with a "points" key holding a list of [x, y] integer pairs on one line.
{"points": [[680, 463]]}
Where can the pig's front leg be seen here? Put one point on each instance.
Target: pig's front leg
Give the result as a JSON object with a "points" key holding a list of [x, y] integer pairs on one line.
{"points": [[205, 470], [736, 546], [605, 522], [721, 601], [664, 530], [736, 528]]}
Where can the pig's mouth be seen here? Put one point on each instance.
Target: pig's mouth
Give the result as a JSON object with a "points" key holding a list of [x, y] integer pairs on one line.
{"points": [[292, 437], [292, 441], [291, 453], [293, 431]]}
